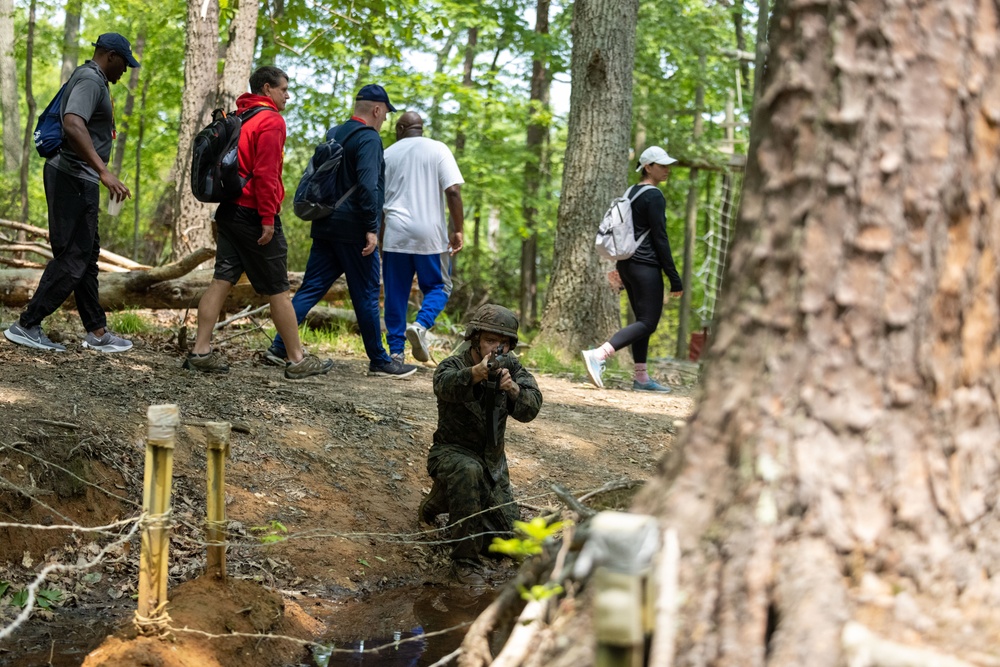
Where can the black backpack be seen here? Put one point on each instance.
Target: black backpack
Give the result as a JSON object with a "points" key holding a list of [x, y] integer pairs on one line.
{"points": [[316, 195], [215, 165]]}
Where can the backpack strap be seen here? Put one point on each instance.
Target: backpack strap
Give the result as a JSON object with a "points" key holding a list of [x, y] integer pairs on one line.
{"points": [[638, 191], [246, 115], [332, 134]]}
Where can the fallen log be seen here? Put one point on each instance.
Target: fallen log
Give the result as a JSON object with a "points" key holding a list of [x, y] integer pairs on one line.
{"points": [[107, 256], [173, 286]]}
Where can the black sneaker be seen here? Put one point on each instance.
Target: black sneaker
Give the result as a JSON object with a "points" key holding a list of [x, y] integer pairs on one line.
{"points": [[392, 368]]}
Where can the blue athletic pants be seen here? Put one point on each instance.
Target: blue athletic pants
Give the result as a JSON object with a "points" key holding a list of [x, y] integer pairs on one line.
{"points": [[434, 279]]}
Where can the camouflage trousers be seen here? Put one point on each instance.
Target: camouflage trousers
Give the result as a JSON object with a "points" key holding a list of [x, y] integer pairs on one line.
{"points": [[477, 508]]}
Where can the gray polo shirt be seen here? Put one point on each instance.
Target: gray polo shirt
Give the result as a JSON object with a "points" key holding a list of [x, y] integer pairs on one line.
{"points": [[87, 95]]}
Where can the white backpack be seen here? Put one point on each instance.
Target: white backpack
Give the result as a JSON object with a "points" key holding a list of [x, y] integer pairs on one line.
{"points": [[616, 235]]}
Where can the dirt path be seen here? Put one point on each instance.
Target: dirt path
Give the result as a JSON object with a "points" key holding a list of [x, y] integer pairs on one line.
{"points": [[337, 462]]}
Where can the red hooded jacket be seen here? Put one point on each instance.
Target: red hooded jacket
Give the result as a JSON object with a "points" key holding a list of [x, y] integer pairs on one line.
{"points": [[261, 153]]}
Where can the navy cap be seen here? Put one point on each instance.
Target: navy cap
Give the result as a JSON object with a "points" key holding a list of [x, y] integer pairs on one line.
{"points": [[375, 93], [112, 41]]}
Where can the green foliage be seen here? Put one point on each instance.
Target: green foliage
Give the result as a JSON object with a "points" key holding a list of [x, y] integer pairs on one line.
{"points": [[531, 537], [539, 592], [274, 531], [45, 598], [128, 322]]}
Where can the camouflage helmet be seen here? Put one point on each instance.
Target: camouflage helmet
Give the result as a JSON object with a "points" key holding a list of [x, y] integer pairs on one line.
{"points": [[495, 319]]}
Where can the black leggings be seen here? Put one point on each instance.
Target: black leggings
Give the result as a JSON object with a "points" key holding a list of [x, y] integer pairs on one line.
{"points": [[644, 286]]}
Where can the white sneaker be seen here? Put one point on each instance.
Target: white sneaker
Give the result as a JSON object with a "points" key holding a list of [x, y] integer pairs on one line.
{"points": [[595, 367], [109, 342], [416, 334]]}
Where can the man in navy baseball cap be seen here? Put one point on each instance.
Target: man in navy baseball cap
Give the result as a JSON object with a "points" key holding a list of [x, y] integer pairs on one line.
{"points": [[112, 41], [375, 93]]}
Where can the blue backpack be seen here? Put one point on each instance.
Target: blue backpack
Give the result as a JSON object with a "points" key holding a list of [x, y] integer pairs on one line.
{"points": [[48, 129], [316, 194]]}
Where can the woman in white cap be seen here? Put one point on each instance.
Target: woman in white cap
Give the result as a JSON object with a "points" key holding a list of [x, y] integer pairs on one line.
{"points": [[642, 273]]}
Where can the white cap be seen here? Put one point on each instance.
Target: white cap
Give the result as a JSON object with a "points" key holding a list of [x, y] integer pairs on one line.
{"points": [[654, 155]]}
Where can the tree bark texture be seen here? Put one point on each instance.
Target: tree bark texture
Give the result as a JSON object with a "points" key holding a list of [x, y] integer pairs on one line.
{"points": [[8, 89], [71, 39], [239, 54], [841, 467], [535, 171], [842, 464], [192, 219], [580, 309]]}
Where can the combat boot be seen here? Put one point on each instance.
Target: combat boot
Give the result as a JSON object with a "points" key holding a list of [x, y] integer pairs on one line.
{"points": [[468, 573]]}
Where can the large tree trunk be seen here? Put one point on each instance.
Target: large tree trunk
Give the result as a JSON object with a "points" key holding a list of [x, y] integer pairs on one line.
{"points": [[8, 89], [192, 223], [580, 309], [239, 54], [535, 170], [843, 466], [71, 39]]}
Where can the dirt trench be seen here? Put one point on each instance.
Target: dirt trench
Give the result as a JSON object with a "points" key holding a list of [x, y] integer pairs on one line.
{"points": [[322, 485]]}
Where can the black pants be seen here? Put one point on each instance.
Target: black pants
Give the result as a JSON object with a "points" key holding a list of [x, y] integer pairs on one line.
{"points": [[73, 205], [644, 286]]}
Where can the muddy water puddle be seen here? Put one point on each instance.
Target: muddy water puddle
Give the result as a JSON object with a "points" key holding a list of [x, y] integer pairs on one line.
{"points": [[398, 628]]}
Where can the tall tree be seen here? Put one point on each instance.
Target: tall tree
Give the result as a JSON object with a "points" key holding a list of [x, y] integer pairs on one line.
{"points": [[535, 168], [579, 311], [8, 89], [29, 95], [842, 468], [126, 117], [71, 39], [238, 53], [204, 90]]}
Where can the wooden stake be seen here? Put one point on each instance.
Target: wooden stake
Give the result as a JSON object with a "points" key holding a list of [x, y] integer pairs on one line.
{"points": [[154, 559], [218, 452]]}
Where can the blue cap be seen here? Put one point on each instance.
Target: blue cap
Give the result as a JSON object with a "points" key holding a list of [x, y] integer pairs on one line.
{"points": [[112, 41], [375, 93]]}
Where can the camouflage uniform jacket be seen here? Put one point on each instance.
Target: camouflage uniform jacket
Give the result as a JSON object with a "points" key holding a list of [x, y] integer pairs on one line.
{"points": [[462, 411]]}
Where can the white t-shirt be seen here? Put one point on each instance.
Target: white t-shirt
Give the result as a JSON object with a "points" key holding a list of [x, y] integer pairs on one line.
{"points": [[417, 172]]}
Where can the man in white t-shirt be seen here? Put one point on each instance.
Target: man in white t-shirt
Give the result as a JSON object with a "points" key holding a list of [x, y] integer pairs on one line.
{"points": [[415, 232]]}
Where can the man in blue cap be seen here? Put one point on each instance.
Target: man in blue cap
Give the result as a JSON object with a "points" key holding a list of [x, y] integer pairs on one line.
{"points": [[345, 242], [72, 180]]}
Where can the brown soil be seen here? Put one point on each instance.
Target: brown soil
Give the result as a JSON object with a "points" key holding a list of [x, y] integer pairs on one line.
{"points": [[338, 462]]}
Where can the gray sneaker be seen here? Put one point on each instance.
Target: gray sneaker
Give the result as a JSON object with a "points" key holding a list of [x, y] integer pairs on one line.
{"points": [[417, 335], [32, 337], [213, 362], [109, 342], [308, 367], [399, 356]]}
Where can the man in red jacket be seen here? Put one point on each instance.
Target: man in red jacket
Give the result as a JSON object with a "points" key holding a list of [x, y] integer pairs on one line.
{"points": [[250, 237]]}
